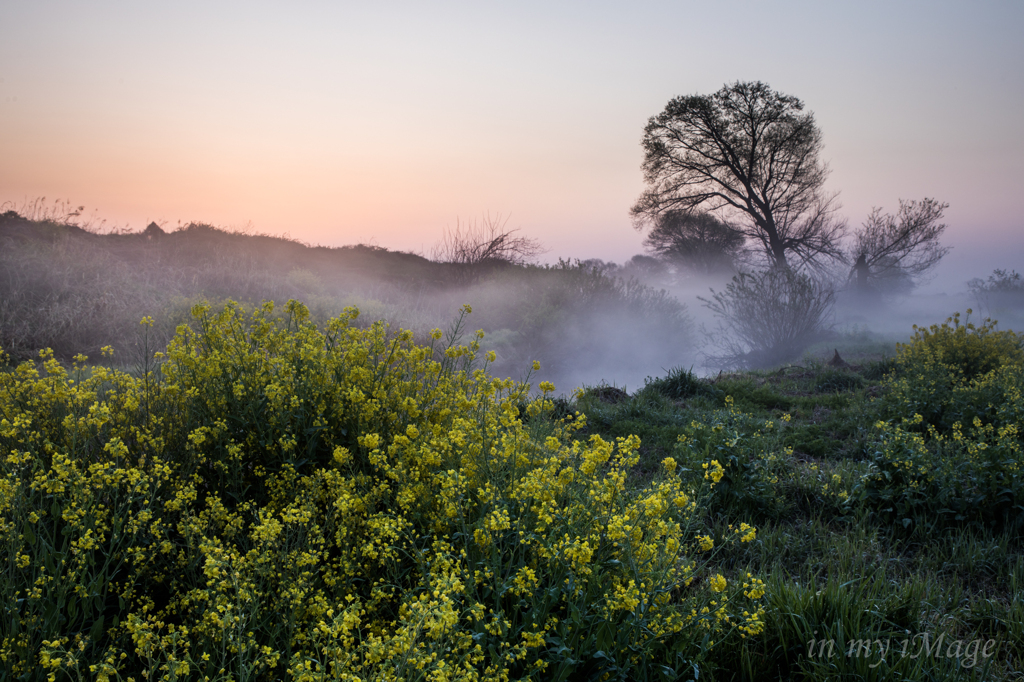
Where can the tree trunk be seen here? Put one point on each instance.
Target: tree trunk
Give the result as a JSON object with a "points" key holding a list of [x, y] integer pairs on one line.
{"points": [[775, 244], [778, 254]]}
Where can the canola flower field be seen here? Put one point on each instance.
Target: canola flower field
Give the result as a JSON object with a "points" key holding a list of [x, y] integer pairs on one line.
{"points": [[272, 500], [279, 502]]}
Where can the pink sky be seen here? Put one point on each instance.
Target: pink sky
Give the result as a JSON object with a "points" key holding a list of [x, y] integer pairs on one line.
{"points": [[339, 123]]}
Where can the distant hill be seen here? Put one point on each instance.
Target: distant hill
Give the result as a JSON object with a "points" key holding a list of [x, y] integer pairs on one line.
{"points": [[197, 245], [75, 291]]}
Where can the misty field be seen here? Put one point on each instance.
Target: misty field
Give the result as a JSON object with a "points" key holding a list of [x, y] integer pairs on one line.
{"points": [[75, 291], [251, 491]]}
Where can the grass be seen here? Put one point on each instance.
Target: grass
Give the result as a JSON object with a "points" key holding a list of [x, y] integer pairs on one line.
{"points": [[837, 571]]}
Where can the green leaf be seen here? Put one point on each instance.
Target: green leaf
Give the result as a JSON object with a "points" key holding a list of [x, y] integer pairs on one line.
{"points": [[96, 631], [28, 535]]}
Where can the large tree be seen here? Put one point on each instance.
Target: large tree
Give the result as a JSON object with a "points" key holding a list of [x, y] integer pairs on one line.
{"points": [[750, 156]]}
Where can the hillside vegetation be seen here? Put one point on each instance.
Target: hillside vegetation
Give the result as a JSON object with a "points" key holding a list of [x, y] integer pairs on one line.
{"points": [[74, 291]]}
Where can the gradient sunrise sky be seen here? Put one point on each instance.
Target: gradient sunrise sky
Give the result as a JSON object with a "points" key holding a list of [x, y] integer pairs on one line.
{"points": [[339, 122]]}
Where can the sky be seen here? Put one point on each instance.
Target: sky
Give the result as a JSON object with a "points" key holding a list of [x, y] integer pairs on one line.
{"points": [[340, 122]]}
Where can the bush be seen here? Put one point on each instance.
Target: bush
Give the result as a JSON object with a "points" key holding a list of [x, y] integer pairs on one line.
{"points": [[744, 457], [936, 373], [949, 449], [972, 476], [473, 249], [965, 350], [277, 500], [769, 317]]}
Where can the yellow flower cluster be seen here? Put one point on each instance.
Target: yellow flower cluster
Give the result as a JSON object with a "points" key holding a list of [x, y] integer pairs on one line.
{"points": [[743, 458], [963, 349], [281, 501], [951, 446]]}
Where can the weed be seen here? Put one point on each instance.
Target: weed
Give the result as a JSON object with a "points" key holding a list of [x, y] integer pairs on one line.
{"points": [[680, 384]]}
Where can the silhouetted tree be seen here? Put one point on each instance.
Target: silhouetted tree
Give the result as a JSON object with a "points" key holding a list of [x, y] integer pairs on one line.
{"points": [[770, 316], [1002, 292], [474, 247], [749, 155], [697, 241], [892, 251], [643, 267]]}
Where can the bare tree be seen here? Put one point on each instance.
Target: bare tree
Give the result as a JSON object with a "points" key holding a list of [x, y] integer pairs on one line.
{"points": [[474, 246], [769, 317], [1003, 291], [697, 241], [749, 155], [486, 241], [892, 251]]}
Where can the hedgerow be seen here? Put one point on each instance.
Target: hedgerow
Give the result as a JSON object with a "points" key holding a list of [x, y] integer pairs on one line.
{"points": [[272, 500]]}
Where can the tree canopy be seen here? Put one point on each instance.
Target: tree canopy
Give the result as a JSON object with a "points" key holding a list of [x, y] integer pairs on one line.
{"points": [[750, 156], [697, 241]]}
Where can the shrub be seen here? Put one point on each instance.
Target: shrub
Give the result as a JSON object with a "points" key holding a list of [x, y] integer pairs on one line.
{"points": [[769, 317], [971, 476], [744, 457], [936, 374], [964, 350], [277, 500], [949, 450], [473, 248]]}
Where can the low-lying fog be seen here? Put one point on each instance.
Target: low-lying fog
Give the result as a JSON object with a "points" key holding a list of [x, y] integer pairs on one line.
{"points": [[587, 323], [859, 329]]}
